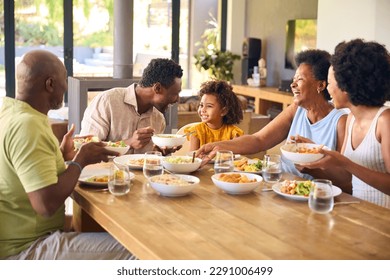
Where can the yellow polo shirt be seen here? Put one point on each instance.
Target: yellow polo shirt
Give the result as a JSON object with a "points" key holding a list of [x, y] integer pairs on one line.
{"points": [[30, 159]]}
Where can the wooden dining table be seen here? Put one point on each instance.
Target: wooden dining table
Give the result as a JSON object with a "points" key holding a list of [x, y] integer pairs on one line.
{"points": [[210, 224]]}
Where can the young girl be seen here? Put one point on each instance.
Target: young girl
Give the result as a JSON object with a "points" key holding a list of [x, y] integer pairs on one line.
{"points": [[219, 110]]}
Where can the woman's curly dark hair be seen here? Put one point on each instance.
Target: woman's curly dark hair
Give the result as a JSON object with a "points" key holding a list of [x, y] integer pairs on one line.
{"points": [[226, 98], [319, 61], [362, 69], [161, 70]]}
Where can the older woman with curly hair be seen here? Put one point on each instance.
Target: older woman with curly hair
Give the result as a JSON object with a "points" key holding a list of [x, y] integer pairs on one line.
{"points": [[311, 115], [219, 110], [359, 79]]}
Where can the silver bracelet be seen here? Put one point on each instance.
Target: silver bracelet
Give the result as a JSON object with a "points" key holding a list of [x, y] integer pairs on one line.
{"points": [[70, 162]]}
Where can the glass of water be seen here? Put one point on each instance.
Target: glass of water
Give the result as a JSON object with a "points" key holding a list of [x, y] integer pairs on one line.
{"points": [[119, 180], [321, 196], [272, 168], [223, 162], [153, 164]]}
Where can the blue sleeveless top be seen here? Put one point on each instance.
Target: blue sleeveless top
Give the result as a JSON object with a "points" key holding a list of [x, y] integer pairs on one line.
{"points": [[321, 132]]}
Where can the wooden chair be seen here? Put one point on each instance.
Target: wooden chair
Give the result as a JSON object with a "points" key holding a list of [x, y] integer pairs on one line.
{"points": [[186, 146]]}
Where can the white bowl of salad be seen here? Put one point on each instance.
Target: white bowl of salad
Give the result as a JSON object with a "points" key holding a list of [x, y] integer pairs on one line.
{"points": [[118, 146], [80, 140], [181, 164]]}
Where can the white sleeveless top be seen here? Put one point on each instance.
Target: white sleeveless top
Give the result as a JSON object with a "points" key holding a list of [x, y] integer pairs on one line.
{"points": [[367, 154]]}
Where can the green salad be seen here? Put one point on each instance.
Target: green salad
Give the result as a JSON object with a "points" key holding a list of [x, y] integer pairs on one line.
{"points": [[116, 144], [254, 167], [178, 159], [303, 188]]}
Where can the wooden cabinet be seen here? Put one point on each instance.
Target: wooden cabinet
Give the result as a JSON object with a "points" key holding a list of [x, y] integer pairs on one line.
{"points": [[59, 127], [265, 97]]}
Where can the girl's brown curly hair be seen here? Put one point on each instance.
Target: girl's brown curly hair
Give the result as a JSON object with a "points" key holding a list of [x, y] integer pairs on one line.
{"points": [[226, 98]]}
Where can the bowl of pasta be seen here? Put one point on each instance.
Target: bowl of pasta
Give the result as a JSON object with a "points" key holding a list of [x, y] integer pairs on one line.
{"points": [[173, 185], [237, 182], [302, 152]]}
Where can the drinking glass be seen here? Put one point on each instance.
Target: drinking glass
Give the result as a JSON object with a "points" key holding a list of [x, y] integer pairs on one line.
{"points": [[223, 162], [153, 164], [272, 168], [119, 180], [321, 196]]}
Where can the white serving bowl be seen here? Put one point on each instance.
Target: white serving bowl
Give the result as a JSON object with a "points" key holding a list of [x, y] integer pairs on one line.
{"points": [[291, 152], [237, 188], [120, 150], [170, 188], [181, 164], [168, 140]]}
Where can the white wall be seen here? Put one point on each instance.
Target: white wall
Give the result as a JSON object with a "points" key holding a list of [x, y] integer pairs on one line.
{"points": [[337, 20], [267, 19], [340, 20], [200, 15], [382, 28], [236, 33]]}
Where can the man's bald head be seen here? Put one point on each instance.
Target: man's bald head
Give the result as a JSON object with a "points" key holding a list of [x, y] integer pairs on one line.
{"points": [[35, 67], [41, 76]]}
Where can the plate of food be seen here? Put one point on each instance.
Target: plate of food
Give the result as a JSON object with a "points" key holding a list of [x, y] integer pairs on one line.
{"points": [[96, 177], [298, 190], [134, 161], [247, 165]]}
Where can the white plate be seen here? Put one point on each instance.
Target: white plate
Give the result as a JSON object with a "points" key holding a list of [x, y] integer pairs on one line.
{"points": [[125, 160], [250, 161], [90, 172], [276, 188]]}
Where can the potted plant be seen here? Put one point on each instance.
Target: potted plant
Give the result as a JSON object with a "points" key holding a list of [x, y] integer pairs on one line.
{"points": [[210, 58]]}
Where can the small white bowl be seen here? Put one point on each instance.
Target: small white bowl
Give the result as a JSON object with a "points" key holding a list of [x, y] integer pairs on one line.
{"points": [[291, 152], [237, 188], [120, 150], [168, 187], [181, 164], [78, 142], [168, 140]]}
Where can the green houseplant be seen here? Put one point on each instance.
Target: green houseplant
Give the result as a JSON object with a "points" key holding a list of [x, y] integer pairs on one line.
{"points": [[210, 58]]}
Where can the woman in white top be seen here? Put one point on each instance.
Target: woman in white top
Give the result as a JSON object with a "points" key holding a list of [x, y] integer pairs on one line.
{"points": [[359, 79]]}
